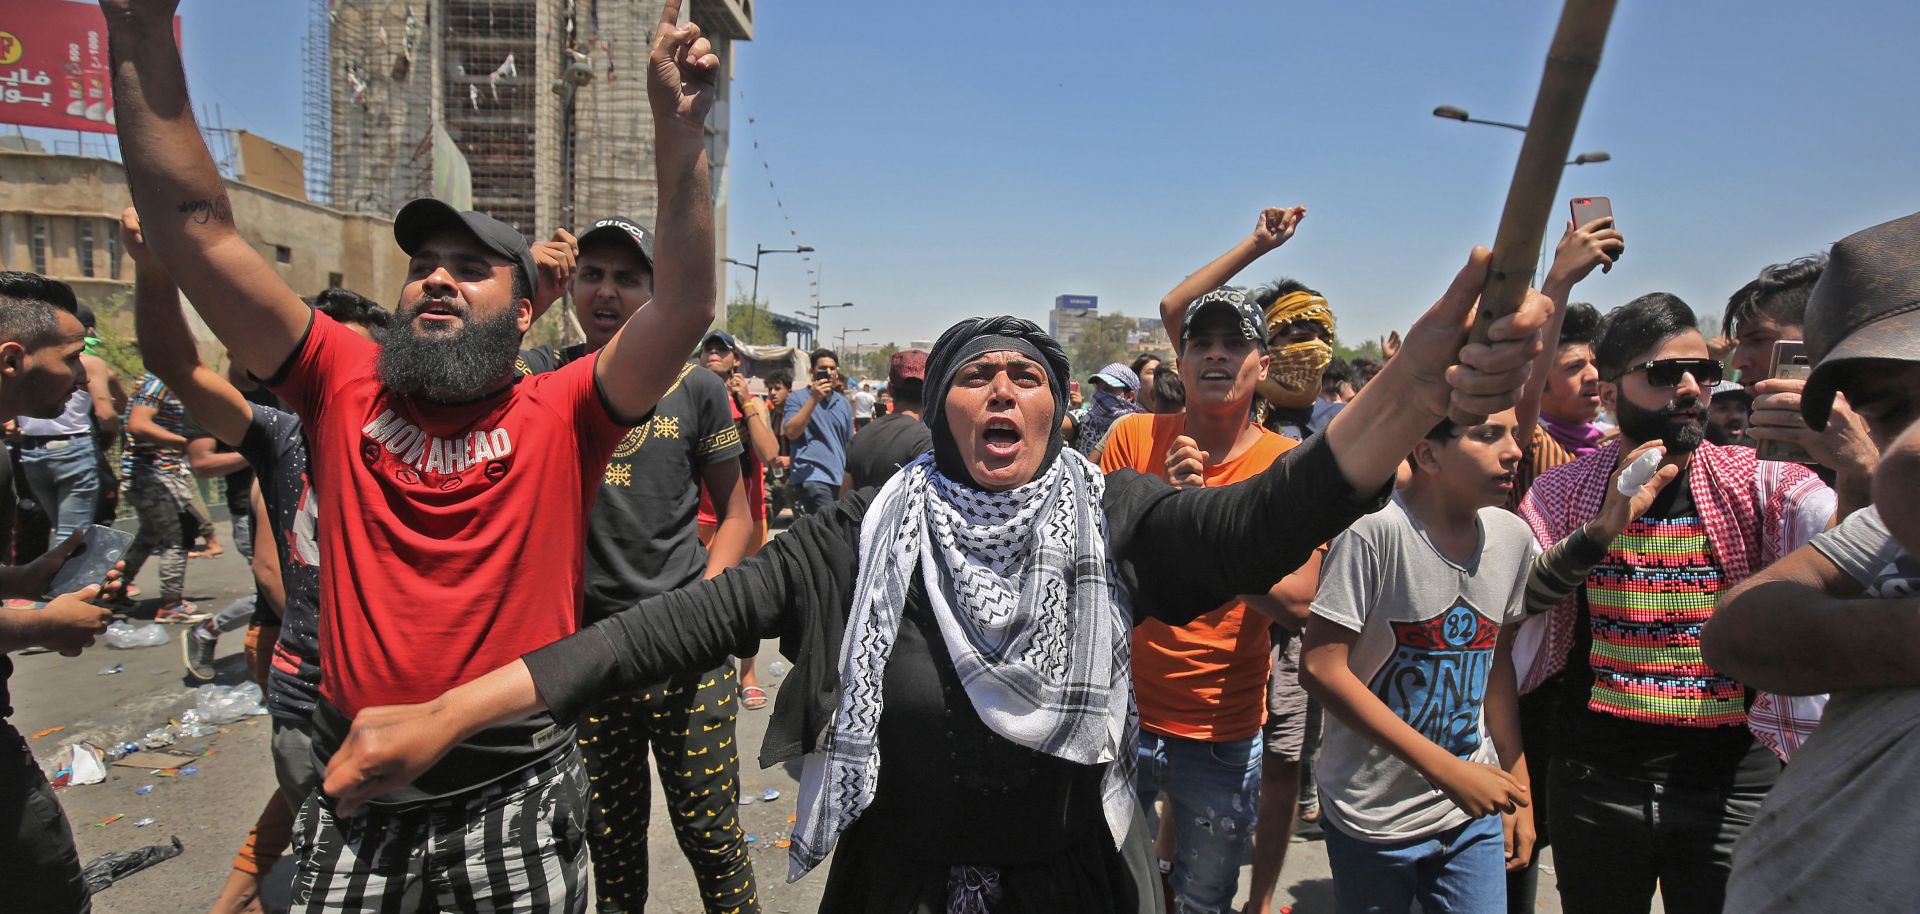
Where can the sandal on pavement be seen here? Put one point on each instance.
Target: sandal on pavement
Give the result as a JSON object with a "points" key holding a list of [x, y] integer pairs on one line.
{"points": [[753, 698]]}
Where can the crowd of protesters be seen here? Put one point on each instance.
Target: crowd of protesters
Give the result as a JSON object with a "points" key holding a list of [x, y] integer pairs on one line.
{"points": [[1102, 639]]}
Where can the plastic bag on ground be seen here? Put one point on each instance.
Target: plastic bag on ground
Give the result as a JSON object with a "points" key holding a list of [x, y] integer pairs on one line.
{"points": [[218, 704], [127, 637], [106, 869], [88, 763]]}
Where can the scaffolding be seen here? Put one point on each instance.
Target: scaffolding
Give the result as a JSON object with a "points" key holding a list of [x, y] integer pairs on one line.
{"points": [[546, 100], [491, 106], [316, 103], [373, 99], [613, 127]]}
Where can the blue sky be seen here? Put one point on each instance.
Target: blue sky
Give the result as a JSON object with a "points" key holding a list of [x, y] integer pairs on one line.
{"points": [[958, 159]]}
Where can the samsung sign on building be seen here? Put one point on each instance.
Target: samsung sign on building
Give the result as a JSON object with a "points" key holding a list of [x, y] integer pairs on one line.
{"points": [[1077, 302]]}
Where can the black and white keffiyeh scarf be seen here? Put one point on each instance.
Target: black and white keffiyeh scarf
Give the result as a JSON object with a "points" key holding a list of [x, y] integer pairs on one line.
{"points": [[1035, 619]]}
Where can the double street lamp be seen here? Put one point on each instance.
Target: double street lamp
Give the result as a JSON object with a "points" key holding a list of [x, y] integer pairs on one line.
{"points": [[1453, 113], [759, 252]]}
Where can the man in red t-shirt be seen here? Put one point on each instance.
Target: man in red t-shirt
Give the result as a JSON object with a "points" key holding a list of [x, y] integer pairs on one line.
{"points": [[442, 476], [722, 355]]}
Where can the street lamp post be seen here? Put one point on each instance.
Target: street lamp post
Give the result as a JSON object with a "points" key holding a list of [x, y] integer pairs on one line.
{"points": [[843, 336], [758, 252], [1460, 114], [818, 307]]}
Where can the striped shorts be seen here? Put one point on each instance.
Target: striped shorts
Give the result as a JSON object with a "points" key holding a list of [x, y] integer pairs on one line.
{"points": [[518, 844]]}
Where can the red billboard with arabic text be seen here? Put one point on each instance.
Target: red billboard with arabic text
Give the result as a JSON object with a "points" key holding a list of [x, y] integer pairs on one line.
{"points": [[53, 65]]}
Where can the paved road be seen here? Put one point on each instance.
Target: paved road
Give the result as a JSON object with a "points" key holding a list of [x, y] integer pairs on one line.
{"points": [[212, 810]]}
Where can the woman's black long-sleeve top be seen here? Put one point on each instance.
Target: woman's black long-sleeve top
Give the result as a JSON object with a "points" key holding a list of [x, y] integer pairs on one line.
{"points": [[1180, 553]]}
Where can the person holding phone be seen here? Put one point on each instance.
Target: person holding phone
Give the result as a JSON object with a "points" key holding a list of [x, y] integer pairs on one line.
{"points": [[1761, 315], [40, 345], [1838, 616], [819, 424]]}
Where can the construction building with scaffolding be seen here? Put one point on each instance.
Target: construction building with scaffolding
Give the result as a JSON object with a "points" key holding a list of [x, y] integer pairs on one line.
{"points": [[534, 111]]}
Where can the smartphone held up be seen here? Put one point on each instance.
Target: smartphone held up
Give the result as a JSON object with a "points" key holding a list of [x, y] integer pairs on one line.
{"points": [[1587, 209], [1790, 363]]}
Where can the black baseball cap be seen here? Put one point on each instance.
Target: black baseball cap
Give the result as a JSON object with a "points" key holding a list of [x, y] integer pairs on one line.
{"points": [[626, 230], [418, 220], [1252, 324]]}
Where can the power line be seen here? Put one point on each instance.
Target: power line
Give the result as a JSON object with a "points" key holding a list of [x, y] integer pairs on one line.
{"points": [[806, 259]]}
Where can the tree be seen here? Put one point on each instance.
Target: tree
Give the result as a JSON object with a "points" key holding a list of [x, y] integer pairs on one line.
{"points": [[114, 318], [875, 363], [1102, 340], [1370, 348], [749, 321]]}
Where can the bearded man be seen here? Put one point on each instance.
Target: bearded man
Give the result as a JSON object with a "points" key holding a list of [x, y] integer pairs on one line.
{"points": [[1661, 761], [452, 493]]}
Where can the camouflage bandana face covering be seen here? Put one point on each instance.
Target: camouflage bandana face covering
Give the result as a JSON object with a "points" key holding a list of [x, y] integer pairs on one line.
{"points": [[1293, 376]]}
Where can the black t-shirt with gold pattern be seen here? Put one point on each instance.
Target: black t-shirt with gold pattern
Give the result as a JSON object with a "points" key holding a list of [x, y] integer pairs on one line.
{"points": [[641, 538]]}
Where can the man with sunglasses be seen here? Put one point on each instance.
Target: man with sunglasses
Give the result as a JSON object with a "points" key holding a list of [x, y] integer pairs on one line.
{"points": [[1661, 761]]}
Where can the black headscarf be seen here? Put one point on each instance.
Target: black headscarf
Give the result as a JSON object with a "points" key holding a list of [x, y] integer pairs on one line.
{"points": [[968, 340]]}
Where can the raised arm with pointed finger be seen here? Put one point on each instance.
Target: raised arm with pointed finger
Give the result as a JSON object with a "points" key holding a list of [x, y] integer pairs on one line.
{"points": [[1271, 230], [182, 199], [644, 358], [168, 348]]}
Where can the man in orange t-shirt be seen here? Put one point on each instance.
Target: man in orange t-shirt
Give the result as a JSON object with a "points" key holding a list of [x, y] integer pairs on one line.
{"points": [[1202, 687]]}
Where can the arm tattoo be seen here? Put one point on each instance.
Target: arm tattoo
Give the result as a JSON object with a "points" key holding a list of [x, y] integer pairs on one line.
{"points": [[202, 211]]}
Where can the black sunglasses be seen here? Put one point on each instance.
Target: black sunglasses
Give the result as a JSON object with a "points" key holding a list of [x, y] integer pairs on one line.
{"points": [[1668, 372]]}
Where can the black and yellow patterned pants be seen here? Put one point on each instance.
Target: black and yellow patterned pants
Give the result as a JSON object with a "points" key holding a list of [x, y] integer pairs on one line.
{"points": [[689, 722]]}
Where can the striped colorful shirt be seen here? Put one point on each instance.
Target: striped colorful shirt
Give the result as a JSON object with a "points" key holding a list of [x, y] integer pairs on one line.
{"points": [[1648, 601], [1755, 511], [137, 458]]}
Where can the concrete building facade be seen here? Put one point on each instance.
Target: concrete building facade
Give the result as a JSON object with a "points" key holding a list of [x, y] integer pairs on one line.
{"points": [[60, 216], [1069, 318]]}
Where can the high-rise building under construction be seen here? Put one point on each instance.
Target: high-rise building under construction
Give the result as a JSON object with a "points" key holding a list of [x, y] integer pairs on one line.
{"points": [[532, 110]]}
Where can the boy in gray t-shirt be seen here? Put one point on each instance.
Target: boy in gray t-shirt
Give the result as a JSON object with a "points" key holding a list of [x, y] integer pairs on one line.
{"points": [[1409, 651]]}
